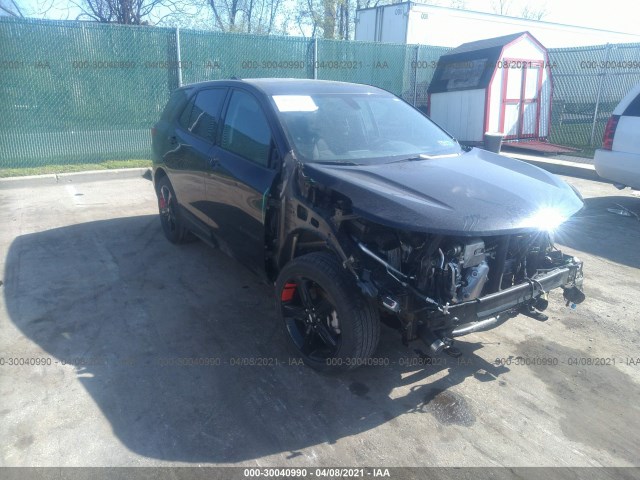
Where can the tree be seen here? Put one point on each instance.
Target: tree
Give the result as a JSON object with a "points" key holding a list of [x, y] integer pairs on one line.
{"points": [[501, 7], [345, 15], [309, 17], [329, 21], [326, 18], [251, 16], [263, 20], [11, 8], [126, 12], [225, 13], [534, 13], [504, 7]]}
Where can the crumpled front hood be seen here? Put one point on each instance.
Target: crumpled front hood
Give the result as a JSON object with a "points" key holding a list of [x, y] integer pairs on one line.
{"points": [[475, 193]]}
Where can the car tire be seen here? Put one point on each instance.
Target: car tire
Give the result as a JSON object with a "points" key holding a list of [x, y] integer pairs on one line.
{"points": [[327, 320], [170, 220]]}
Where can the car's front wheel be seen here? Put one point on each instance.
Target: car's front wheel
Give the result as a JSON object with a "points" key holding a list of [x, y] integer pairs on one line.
{"points": [[172, 224], [326, 318]]}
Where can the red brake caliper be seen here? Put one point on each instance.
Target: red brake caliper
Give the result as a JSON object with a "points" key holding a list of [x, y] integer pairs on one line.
{"points": [[287, 292], [162, 201]]}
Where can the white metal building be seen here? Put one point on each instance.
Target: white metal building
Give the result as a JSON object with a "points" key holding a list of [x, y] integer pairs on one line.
{"points": [[495, 85], [416, 23]]}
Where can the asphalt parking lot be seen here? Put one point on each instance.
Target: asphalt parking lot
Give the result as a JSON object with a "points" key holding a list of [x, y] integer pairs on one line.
{"points": [[104, 318]]}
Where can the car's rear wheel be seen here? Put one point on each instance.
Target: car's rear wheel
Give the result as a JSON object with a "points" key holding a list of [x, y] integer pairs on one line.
{"points": [[327, 320], [172, 225]]}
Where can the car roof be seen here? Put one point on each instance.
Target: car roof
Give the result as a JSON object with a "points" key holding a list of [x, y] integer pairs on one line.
{"points": [[629, 97], [293, 86]]}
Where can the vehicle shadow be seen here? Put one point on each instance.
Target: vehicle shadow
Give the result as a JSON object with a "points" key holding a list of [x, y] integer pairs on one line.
{"points": [[134, 312], [604, 234]]}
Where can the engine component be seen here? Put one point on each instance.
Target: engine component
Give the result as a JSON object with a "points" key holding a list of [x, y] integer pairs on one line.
{"points": [[542, 302], [455, 279], [390, 304], [394, 257], [573, 295], [475, 279], [473, 253], [435, 344], [390, 269], [447, 272]]}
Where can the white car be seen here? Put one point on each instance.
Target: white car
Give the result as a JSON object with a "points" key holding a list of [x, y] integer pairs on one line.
{"points": [[619, 158]]}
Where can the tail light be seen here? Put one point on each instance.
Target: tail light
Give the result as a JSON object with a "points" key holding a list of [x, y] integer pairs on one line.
{"points": [[609, 132]]}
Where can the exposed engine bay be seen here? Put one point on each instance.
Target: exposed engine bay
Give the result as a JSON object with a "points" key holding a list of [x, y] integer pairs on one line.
{"points": [[435, 286], [427, 279]]}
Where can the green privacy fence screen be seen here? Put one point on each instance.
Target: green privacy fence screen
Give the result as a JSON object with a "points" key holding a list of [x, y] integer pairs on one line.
{"points": [[79, 92], [588, 83]]}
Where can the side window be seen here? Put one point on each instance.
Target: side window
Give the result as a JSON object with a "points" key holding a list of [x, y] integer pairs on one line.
{"points": [[186, 115], [205, 114], [246, 131], [633, 110], [176, 100]]}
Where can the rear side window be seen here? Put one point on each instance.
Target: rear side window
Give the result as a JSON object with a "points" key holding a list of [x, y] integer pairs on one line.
{"points": [[633, 109], [204, 114], [176, 101], [185, 116], [246, 130]]}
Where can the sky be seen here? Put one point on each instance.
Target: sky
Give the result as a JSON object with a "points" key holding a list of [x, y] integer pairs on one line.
{"points": [[618, 15]]}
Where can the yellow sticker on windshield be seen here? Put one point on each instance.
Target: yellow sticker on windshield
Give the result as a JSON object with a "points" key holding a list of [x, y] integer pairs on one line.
{"points": [[295, 103]]}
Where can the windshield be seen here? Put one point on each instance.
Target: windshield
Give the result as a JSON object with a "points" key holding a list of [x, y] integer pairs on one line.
{"points": [[359, 129]]}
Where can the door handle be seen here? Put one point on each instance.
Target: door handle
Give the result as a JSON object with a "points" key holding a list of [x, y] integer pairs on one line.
{"points": [[173, 140]]}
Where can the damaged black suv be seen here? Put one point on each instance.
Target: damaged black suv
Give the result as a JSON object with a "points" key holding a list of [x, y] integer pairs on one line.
{"points": [[357, 208]]}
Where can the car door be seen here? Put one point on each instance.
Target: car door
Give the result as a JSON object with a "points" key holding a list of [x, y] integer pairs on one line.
{"points": [[193, 139], [240, 177]]}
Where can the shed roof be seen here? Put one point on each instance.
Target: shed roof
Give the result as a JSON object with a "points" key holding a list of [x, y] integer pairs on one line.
{"points": [[471, 65], [486, 43]]}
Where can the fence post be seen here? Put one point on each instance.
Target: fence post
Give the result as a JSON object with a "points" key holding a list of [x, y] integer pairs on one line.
{"points": [[603, 74], [315, 58], [178, 56], [415, 75]]}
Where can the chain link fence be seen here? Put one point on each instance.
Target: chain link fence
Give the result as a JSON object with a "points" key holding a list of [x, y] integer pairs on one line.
{"points": [[588, 84], [79, 92]]}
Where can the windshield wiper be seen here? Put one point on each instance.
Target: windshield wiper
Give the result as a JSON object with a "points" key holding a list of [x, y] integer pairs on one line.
{"points": [[335, 162], [424, 156]]}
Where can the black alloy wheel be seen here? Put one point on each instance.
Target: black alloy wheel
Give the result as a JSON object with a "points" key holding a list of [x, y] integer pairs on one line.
{"points": [[326, 318]]}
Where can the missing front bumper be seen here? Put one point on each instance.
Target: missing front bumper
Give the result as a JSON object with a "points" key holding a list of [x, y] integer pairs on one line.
{"points": [[488, 312], [513, 297]]}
